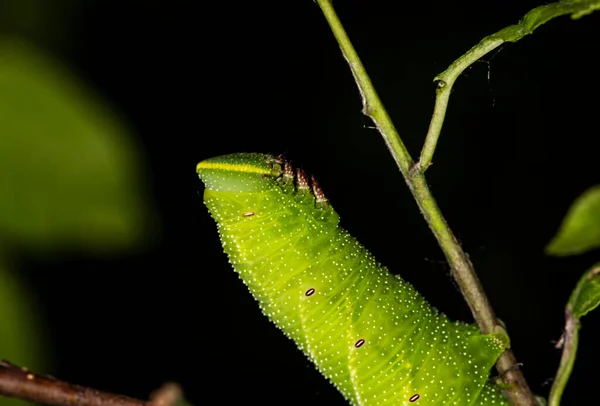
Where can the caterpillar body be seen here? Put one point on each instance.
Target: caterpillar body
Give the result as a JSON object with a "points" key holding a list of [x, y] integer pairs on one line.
{"points": [[369, 332]]}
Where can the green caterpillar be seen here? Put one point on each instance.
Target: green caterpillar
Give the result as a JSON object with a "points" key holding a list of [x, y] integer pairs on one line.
{"points": [[369, 332]]}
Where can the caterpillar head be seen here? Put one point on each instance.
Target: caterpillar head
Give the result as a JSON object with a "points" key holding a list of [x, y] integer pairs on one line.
{"points": [[233, 181], [240, 173]]}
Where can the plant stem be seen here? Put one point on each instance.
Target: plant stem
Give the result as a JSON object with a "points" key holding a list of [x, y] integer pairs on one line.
{"points": [[567, 360], [21, 384], [445, 81], [570, 338], [372, 106], [519, 393], [462, 269]]}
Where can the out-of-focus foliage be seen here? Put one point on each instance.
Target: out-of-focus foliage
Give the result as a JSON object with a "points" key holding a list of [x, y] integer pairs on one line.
{"points": [[580, 229], [70, 179], [43, 21], [68, 169]]}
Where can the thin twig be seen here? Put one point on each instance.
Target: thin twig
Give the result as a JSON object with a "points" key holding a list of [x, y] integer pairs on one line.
{"points": [[445, 80], [570, 339], [372, 106], [519, 393], [567, 359], [17, 382]]}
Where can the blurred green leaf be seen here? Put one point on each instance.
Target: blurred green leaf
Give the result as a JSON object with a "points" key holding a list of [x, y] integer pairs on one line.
{"points": [[69, 172], [580, 229], [41, 20], [586, 296], [20, 330]]}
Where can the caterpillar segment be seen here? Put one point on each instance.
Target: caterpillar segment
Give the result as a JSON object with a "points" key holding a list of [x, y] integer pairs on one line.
{"points": [[367, 331]]}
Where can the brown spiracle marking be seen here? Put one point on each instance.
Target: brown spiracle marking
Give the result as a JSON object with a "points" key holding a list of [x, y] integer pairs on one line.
{"points": [[414, 397], [248, 214], [310, 292], [359, 343]]}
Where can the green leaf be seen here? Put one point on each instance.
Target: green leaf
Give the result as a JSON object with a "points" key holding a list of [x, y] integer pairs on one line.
{"points": [[542, 14], [580, 229], [20, 331], [586, 296], [69, 172]]}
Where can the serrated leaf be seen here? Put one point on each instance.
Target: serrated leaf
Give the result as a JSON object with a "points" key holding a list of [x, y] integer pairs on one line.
{"points": [[580, 229], [586, 296], [68, 167], [20, 332]]}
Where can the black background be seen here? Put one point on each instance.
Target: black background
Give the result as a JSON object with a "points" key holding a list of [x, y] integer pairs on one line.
{"points": [[199, 79]]}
